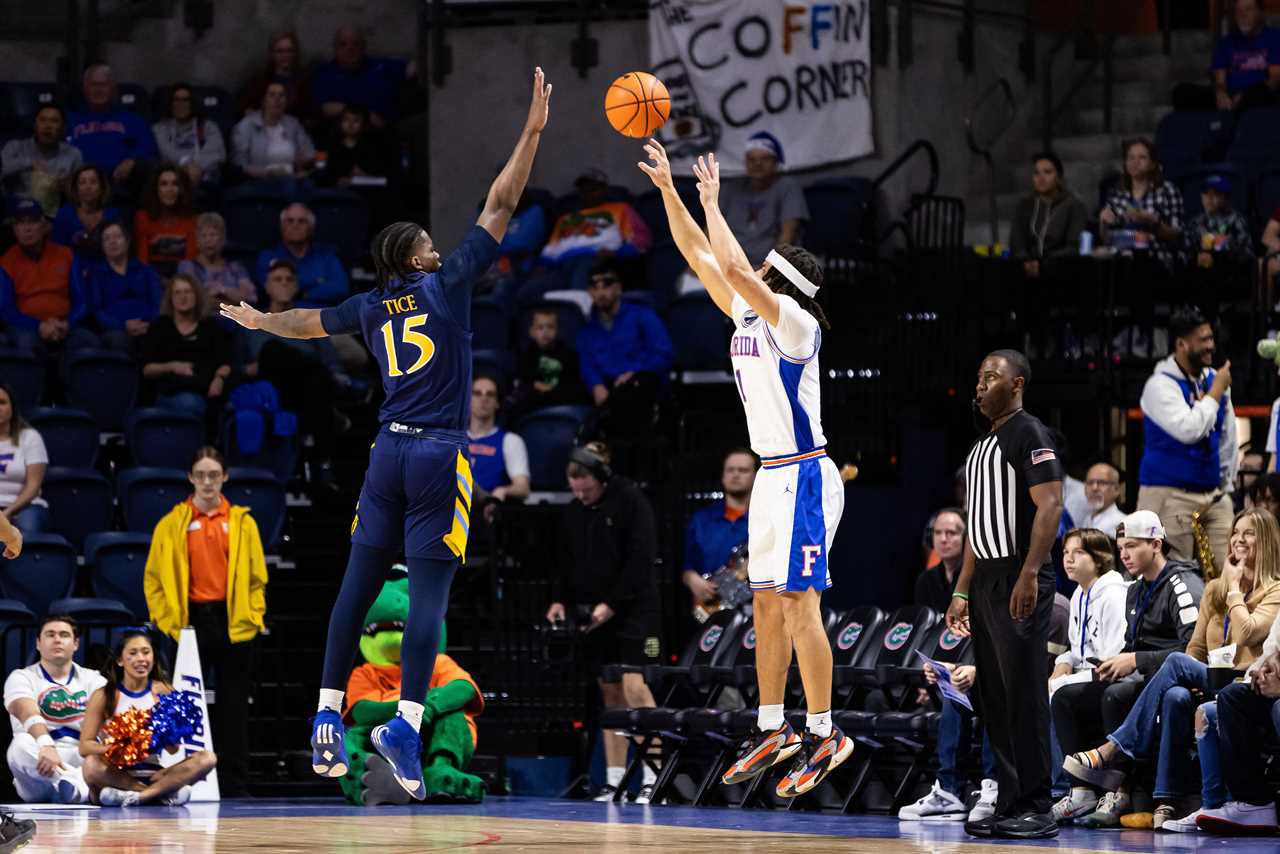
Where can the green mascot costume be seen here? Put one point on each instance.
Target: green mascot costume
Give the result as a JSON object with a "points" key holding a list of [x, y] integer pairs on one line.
{"points": [[448, 721]]}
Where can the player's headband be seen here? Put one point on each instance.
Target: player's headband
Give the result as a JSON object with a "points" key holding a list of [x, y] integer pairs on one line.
{"points": [[794, 276]]}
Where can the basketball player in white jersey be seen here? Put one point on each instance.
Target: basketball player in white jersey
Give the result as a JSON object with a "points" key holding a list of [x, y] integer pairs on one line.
{"points": [[798, 495]]}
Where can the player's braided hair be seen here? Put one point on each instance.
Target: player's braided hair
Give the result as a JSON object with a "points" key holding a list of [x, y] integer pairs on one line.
{"points": [[391, 251], [804, 261]]}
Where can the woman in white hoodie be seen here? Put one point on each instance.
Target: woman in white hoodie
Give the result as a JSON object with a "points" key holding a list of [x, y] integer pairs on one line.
{"points": [[1096, 630]]}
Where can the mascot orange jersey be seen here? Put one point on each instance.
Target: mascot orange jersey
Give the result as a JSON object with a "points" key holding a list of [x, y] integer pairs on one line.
{"points": [[380, 683]]}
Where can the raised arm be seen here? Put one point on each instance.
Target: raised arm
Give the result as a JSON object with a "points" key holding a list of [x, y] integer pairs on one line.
{"points": [[505, 192], [690, 240], [726, 249], [294, 323]]}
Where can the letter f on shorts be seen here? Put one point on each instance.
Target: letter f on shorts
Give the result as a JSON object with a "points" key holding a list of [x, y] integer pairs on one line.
{"points": [[811, 555]]}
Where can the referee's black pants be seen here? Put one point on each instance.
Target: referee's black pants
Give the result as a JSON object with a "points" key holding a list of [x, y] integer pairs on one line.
{"points": [[1012, 683]]}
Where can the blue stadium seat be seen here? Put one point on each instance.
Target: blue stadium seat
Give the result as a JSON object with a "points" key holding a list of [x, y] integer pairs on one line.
{"points": [[24, 374], [162, 438], [79, 502], [263, 494], [93, 610], [1189, 185], [569, 320], [103, 383], [18, 646], [663, 266], [1257, 142], [342, 221], [147, 494], [1182, 139], [252, 212], [838, 212], [700, 333], [653, 211], [488, 325], [21, 102], [119, 561], [43, 573], [499, 364], [70, 435], [549, 434], [135, 98]]}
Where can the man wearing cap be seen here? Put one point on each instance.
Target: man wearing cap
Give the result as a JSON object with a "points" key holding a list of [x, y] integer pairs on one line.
{"points": [[41, 302], [1161, 607], [1218, 236], [596, 227], [1189, 462], [765, 208]]}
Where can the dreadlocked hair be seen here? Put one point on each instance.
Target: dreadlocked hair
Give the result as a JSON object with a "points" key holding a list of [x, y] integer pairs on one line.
{"points": [[807, 265], [391, 251]]}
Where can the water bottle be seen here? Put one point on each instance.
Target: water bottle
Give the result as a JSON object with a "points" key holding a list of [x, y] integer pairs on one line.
{"points": [[1086, 242]]}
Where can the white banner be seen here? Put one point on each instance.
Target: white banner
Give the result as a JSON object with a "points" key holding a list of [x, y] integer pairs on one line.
{"points": [[188, 677], [799, 70]]}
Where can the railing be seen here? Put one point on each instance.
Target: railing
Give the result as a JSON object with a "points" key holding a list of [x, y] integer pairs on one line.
{"points": [[983, 136], [920, 146], [1083, 34]]}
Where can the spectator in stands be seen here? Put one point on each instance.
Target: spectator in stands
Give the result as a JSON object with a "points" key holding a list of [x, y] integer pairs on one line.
{"points": [[1218, 236], [186, 353], [36, 168], [1189, 462], [518, 254], [46, 703], [41, 303], [114, 138], [935, 585], [547, 373], [354, 152], [499, 459], [1246, 62], [79, 223], [206, 569], [598, 229], [1102, 491], [625, 351], [716, 529], [1096, 631], [189, 140], [23, 462], [1048, 222], [270, 143], [765, 208], [321, 276], [284, 66], [164, 228], [607, 588], [1161, 617], [353, 77], [1237, 609], [1146, 210], [222, 280], [125, 292]]}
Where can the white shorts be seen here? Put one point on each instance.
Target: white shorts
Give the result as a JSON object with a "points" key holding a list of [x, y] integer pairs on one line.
{"points": [[796, 505]]}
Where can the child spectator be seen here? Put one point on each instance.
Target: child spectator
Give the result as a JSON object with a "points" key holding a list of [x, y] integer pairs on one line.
{"points": [[222, 280], [189, 140], [125, 292], [1218, 234], [40, 301], [547, 373], [79, 223], [24, 461], [164, 228], [354, 152], [36, 167]]}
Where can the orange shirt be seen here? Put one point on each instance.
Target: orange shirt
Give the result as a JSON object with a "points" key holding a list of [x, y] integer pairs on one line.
{"points": [[41, 286], [733, 514], [381, 684], [207, 545], [166, 241]]}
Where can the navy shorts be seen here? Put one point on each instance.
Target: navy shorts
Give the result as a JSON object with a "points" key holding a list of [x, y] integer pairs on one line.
{"points": [[416, 497]]}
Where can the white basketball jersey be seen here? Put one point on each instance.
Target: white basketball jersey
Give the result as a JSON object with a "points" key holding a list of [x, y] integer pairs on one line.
{"points": [[776, 369]]}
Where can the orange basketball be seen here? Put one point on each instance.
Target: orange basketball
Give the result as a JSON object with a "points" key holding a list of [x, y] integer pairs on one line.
{"points": [[637, 104]]}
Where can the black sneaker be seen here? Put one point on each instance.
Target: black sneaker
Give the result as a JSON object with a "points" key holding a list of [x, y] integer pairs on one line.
{"points": [[1029, 825], [14, 832], [983, 827]]}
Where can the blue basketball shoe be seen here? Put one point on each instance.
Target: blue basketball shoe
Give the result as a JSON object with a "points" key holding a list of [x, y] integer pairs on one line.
{"points": [[328, 755], [399, 744]]}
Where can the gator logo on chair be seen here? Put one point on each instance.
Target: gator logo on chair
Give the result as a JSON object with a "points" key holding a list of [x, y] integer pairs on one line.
{"points": [[749, 639], [849, 636], [710, 638], [897, 636], [949, 640]]}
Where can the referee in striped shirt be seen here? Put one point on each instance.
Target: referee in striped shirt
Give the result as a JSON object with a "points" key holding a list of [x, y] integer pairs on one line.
{"points": [[1005, 593]]}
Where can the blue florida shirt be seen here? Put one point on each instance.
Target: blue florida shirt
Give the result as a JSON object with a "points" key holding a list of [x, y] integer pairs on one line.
{"points": [[419, 331], [710, 538]]}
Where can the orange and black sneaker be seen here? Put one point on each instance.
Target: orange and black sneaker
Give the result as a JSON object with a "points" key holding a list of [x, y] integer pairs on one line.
{"points": [[817, 758], [760, 752]]}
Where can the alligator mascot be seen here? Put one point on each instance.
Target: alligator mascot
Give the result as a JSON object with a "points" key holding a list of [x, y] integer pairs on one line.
{"points": [[448, 721]]}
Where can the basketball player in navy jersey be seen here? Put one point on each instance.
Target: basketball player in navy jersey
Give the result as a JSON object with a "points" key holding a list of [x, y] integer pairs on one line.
{"points": [[417, 491]]}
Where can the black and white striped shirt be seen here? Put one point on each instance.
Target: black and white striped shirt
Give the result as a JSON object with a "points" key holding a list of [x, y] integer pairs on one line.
{"points": [[1000, 470]]}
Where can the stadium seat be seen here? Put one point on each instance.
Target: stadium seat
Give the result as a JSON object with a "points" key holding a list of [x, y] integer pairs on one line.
{"points": [[654, 213], [342, 221], [663, 267], [21, 102], [499, 364], [135, 98], [1183, 137], [489, 326], [162, 438], [43, 573], [569, 319], [79, 502], [70, 435], [252, 212], [104, 384], [1257, 142], [839, 209], [700, 333], [24, 374], [17, 644], [263, 494], [118, 561], [147, 494], [549, 434], [93, 610]]}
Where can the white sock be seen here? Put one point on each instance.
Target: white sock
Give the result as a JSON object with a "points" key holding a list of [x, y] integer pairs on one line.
{"points": [[331, 699], [613, 776], [411, 712], [1081, 793], [819, 724], [649, 777], [769, 718]]}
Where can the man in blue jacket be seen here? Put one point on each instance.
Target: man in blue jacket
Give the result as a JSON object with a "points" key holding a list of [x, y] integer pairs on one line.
{"points": [[118, 140]]}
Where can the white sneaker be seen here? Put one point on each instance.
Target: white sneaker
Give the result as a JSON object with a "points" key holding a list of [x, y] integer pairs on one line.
{"points": [[605, 795], [178, 798], [986, 805], [1079, 802], [110, 797], [645, 795], [1110, 808], [938, 805], [1186, 824], [1237, 817]]}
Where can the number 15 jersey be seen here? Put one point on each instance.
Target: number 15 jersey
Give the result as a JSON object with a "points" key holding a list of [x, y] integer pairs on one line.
{"points": [[419, 330]]}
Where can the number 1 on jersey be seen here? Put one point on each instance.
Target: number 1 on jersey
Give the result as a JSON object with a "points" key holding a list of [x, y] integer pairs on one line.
{"points": [[426, 347]]}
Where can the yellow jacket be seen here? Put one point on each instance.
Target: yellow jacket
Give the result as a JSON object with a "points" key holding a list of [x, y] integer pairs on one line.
{"points": [[167, 580]]}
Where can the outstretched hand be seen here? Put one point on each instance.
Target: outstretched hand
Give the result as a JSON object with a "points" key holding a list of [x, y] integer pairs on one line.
{"points": [[707, 171], [660, 171], [243, 314], [540, 106]]}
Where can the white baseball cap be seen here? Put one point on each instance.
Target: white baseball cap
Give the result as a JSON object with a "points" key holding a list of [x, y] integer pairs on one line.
{"points": [[1141, 525]]}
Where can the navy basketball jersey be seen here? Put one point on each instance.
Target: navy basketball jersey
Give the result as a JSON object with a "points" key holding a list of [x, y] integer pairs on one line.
{"points": [[419, 330]]}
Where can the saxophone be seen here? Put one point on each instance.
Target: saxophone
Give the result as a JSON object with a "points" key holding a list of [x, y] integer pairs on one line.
{"points": [[1203, 549]]}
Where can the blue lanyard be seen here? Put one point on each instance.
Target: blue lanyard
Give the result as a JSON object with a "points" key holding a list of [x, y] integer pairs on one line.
{"points": [[1143, 601], [1084, 622], [1226, 629]]}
